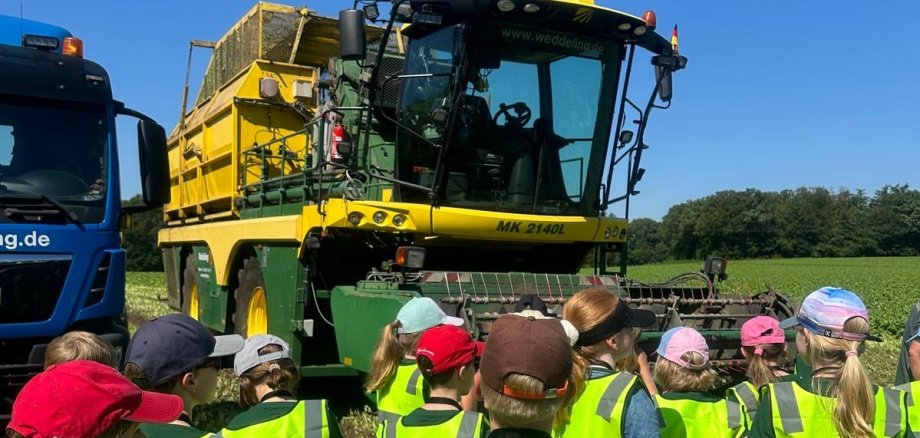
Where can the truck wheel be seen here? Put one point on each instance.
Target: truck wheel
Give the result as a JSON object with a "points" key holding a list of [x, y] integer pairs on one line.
{"points": [[190, 288], [251, 316]]}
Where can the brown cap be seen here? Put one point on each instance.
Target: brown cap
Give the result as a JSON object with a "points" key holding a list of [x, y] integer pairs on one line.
{"points": [[526, 345]]}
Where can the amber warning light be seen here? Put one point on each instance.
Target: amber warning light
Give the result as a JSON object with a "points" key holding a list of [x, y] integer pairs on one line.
{"points": [[650, 20], [73, 47]]}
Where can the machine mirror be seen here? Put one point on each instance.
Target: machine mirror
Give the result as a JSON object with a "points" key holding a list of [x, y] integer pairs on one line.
{"points": [[626, 136], [663, 77], [151, 142], [352, 45]]}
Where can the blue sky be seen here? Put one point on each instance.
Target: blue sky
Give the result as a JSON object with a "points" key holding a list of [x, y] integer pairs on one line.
{"points": [[776, 94]]}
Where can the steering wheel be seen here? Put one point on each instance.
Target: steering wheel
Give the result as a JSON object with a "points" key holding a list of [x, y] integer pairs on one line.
{"points": [[520, 118]]}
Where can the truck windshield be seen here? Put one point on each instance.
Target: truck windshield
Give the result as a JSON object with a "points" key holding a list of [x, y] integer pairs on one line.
{"points": [[54, 149], [533, 121]]}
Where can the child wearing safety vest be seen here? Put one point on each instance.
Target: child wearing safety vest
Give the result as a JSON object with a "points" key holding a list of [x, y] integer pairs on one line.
{"points": [[268, 378], [445, 357], [609, 403], [763, 345], [913, 388], [839, 399], [174, 354], [686, 379], [394, 375]]}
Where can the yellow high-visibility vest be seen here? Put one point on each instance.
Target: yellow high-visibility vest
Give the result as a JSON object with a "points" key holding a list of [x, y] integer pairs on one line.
{"points": [[913, 404], [599, 410], [799, 413], [463, 425], [307, 419], [691, 418], [404, 394], [749, 397]]}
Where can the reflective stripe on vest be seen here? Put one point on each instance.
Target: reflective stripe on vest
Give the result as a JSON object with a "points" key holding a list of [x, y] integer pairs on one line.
{"points": [[746, 393], [691, 418], [912, 391], [599, 409], [799, 411], [315, 423], [788, 407], [403, 394], [465, 425]]}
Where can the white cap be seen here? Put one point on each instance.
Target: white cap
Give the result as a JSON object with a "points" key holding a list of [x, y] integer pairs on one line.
{"points": [[249, 358]]}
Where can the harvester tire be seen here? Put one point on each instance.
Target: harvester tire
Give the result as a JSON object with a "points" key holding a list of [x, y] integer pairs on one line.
{"points": [[189, 286], [250, 281]]}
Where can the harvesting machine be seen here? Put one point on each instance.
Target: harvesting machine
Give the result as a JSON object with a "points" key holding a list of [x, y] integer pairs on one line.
{"points": [[463, 150]]}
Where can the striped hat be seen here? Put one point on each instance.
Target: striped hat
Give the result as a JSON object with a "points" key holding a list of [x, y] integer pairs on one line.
{"points": [[825, 311]]}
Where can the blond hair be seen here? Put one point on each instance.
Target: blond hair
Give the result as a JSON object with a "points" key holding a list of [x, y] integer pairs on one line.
{"points": [[585, 310], [278, 374], [80, 345], [670, 376], [513, 412], [759, 370], [851, 385], [390, 350]]}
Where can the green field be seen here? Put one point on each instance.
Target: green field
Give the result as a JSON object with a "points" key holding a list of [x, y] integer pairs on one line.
{"points": [[889, 286]]}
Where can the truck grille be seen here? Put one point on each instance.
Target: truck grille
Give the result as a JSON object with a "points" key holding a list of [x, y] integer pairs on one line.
{"points": [[30, 287]]}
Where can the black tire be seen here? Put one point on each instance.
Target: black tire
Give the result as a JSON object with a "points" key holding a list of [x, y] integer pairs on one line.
{"points": [[250, 277], [189, 285]]}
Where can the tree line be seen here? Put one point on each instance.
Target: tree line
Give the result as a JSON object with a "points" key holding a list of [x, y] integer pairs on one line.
{"points": [[804, 222]]}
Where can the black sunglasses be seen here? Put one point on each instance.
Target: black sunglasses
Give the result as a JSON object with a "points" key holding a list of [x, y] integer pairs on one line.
{"points": [[211, 362]]}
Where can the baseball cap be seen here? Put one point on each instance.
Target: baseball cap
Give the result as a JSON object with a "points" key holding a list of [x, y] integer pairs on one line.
{"points": [[447, 347], [622, 316], [83, 398], [422, 313], [679, 340], [825, 311], [170, 345], [530, 346], [761, 330], [249, 357]]}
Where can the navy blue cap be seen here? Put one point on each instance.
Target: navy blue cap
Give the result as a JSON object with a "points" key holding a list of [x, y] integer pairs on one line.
{"points": [[168, 346]]}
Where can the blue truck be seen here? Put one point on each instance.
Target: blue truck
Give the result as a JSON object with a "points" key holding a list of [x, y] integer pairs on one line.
{"points": [[62, 266]]}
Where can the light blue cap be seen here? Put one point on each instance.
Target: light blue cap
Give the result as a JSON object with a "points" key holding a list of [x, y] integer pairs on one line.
{"points": [[422, 313]]}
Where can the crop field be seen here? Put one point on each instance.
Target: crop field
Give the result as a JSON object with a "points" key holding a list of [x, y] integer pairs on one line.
{"points": [[889, 286]]}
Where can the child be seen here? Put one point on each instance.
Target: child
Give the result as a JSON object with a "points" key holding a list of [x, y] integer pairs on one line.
{"points": [[913, 388], [445, 357], [763, 344], [605, 336], [839, 399], [268, 379], [526, 375], [78, 345], [83, 398], [686, 379], [394, 374], [175, 354]]}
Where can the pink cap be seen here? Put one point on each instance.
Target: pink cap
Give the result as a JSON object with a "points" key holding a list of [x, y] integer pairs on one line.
{"points": [[679, 340], [761, 330]]}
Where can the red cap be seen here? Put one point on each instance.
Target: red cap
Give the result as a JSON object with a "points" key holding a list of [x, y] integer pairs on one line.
{"points": [[84, 398], [447, 347]]}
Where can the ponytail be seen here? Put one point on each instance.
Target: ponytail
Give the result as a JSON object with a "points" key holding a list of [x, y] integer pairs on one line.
{"points": [[761, 360], [390, 350], [855, 411]]}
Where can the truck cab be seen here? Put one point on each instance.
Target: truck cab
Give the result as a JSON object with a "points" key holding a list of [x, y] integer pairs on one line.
{"points": [[62, 267]]}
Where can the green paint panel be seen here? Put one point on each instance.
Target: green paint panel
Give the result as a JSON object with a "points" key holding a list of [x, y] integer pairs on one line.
{"points": [[212, 299], [283, 275], [359, 315]]}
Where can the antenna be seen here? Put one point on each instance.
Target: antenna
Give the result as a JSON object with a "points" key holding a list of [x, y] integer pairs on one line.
{"points": [[21, 22]]}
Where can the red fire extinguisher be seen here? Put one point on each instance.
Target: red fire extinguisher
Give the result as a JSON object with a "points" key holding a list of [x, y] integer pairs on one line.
{"points": [[338, 135]]}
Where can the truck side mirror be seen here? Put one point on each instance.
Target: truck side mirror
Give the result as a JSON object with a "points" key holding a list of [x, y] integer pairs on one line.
{"points": [[151, 145], [663, 77], [352, 45]]}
